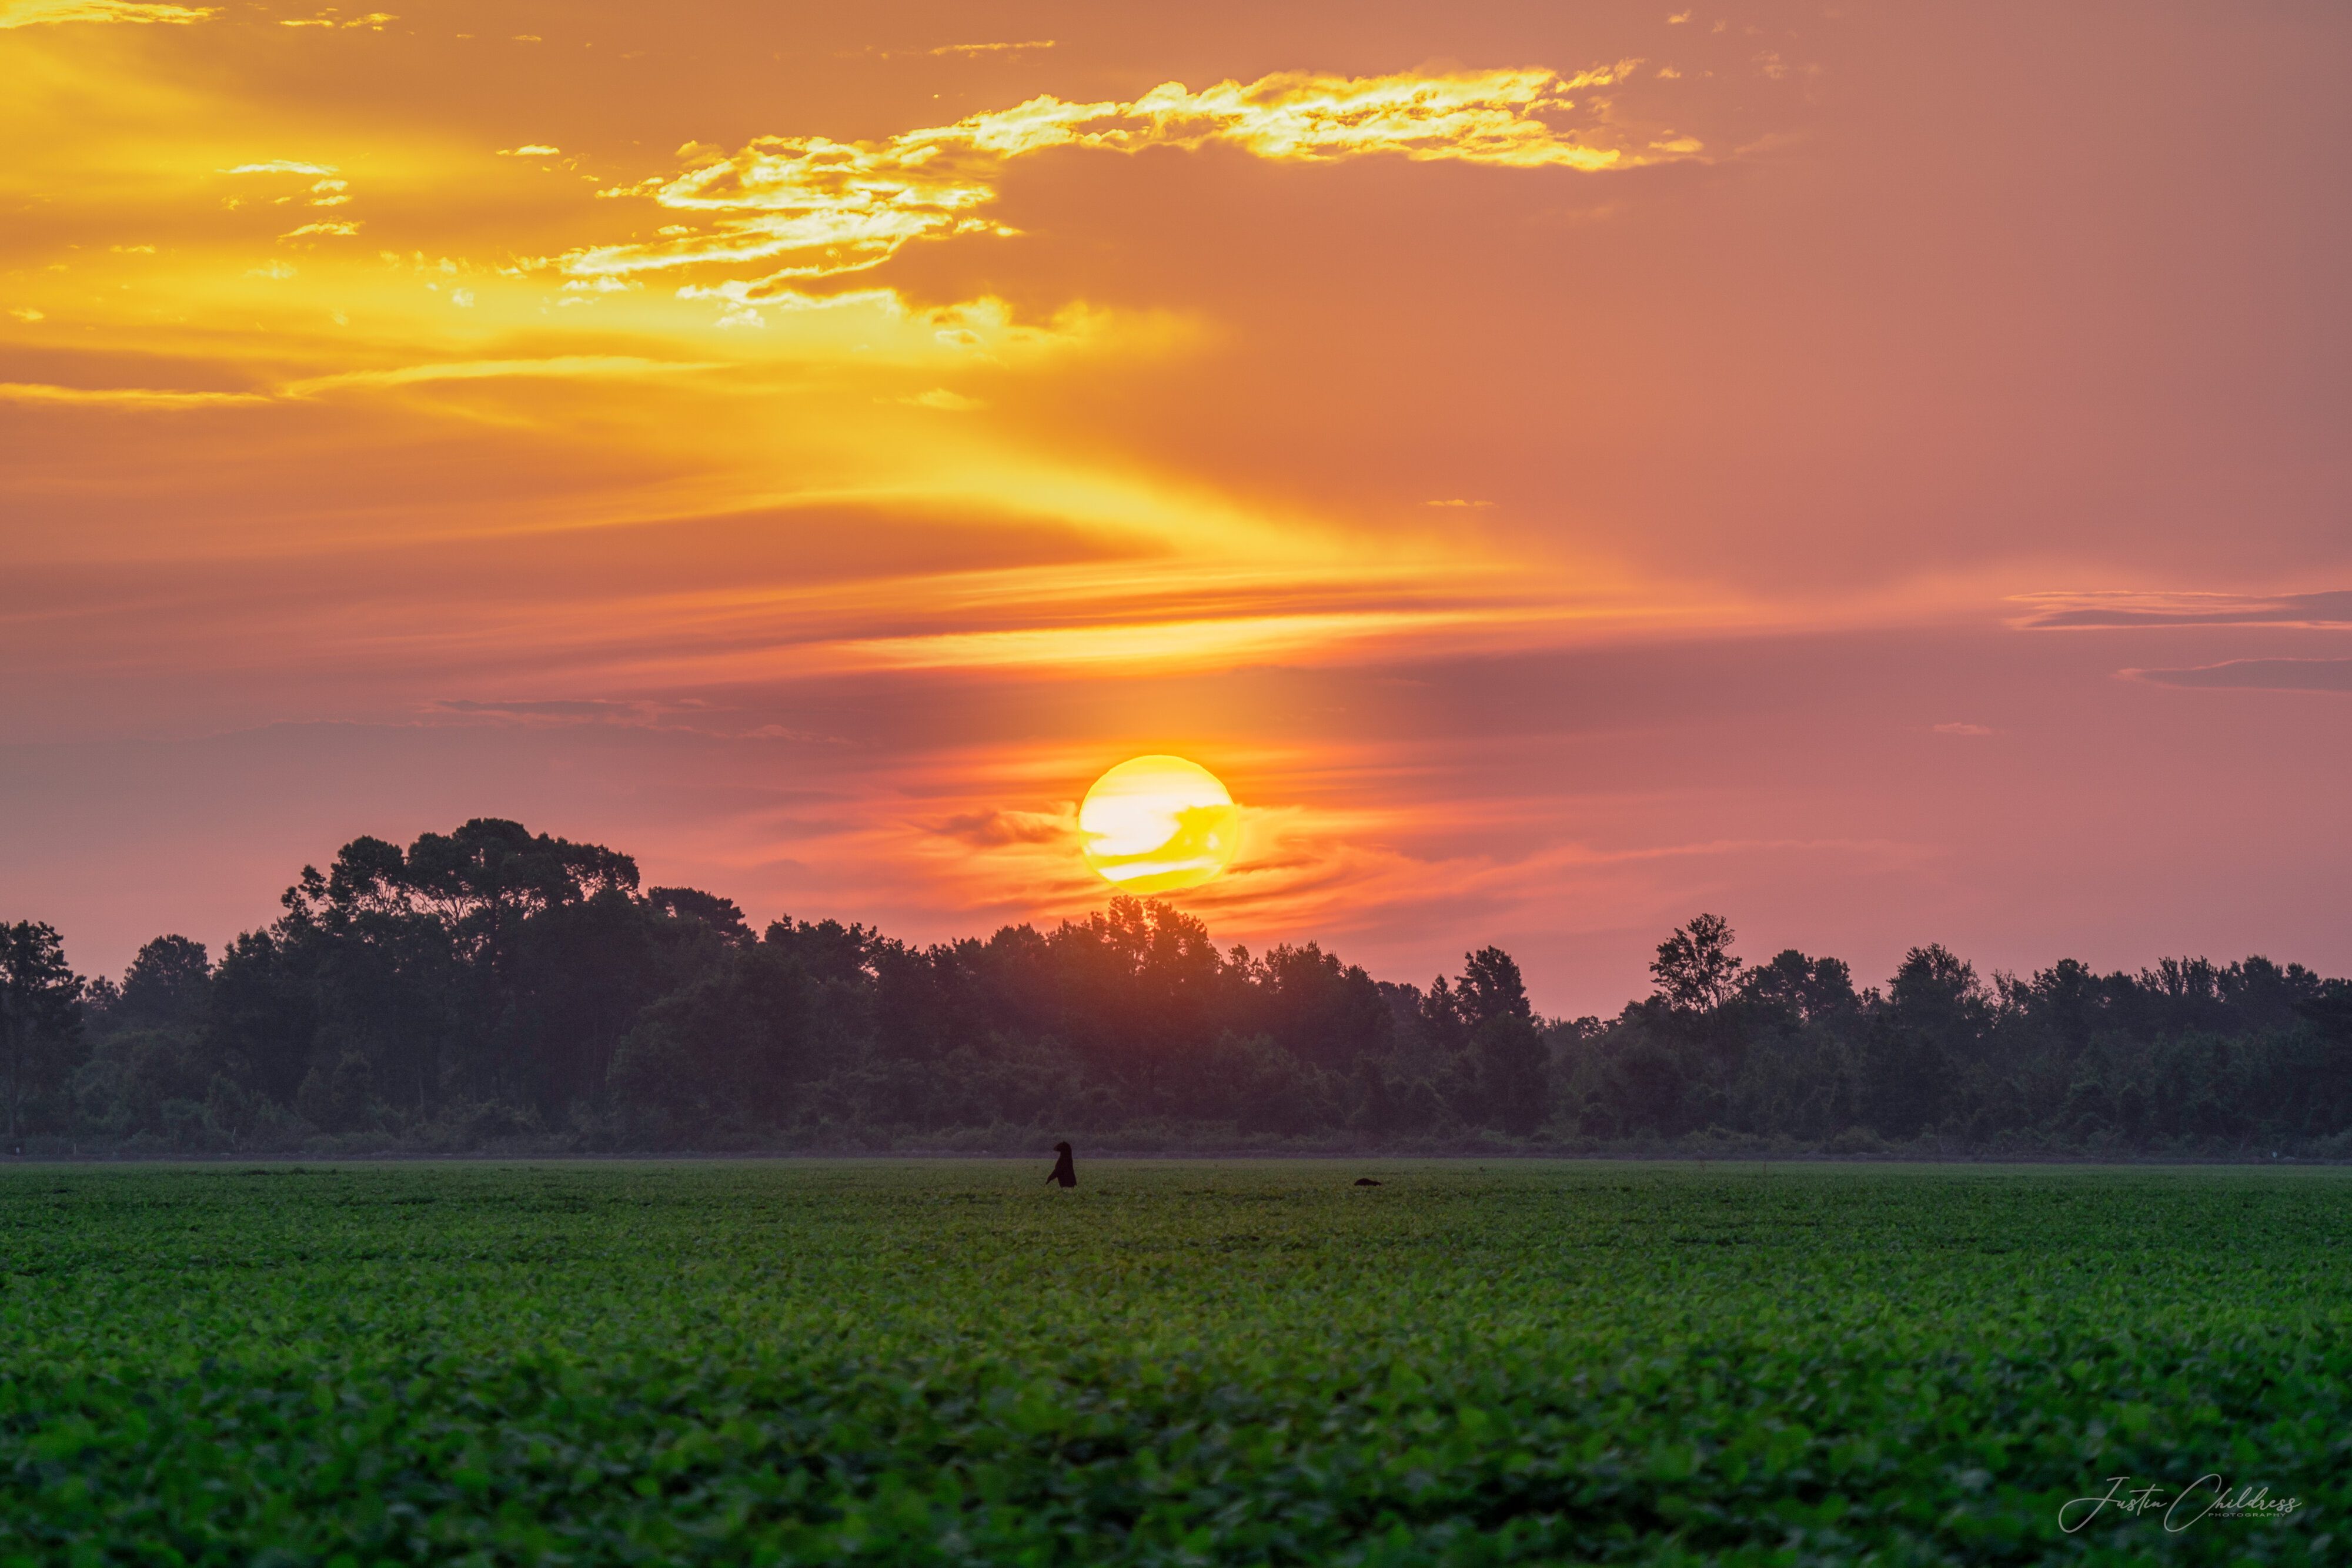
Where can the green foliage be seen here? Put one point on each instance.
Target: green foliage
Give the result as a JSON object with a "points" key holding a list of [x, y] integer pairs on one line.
{"points": [[944, 1363], [495, 983]]}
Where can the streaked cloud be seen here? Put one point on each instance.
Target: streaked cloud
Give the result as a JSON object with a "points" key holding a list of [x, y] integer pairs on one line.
{"points": [[124, 397], [2256, 674], [562, 367], [1213, 642], [552, 711], [2093, 612], [48, 12], [373, 21], [822, 208], [947, 401], [993, 48], [991, 830]]}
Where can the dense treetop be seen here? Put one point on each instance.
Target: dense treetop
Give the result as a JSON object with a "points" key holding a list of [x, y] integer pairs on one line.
{"points": [[493, 983]]}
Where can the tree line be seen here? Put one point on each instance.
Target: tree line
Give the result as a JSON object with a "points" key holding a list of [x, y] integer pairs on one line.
{"points": [[493, 985]]}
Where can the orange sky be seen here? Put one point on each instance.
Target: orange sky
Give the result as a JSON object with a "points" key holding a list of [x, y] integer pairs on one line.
{"points": [[1874, 471]]}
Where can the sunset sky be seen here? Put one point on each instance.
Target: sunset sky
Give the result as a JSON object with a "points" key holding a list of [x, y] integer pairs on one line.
{"points": [[1879, 473]]}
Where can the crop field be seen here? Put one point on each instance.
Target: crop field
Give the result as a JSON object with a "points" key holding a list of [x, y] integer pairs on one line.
{"points": [[1233, 1362]]}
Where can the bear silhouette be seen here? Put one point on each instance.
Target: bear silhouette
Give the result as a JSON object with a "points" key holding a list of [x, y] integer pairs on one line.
{"points": [[1064, 1171], [1366, 1181]]}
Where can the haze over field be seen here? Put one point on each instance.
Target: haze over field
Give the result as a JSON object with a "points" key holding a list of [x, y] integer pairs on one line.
{"points": [[1877, 474]]}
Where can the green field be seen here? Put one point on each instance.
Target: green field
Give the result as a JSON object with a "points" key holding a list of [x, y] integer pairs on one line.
{"points": [[1178, 1362]]}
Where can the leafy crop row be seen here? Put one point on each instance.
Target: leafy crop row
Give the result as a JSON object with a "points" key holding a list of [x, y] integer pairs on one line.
{"points": [[944, 1363]]}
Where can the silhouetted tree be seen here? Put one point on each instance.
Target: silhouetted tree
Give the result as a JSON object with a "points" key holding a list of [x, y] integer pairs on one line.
{"points": [[1509, 1061], [494, 981], [1695, 969], [40, 1017]]}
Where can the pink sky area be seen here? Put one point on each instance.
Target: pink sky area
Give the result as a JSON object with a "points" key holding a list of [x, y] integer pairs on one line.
{"points": [[1874, 471]]}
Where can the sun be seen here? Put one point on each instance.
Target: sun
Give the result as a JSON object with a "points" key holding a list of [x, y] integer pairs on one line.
{"points": [[1154, 825]]}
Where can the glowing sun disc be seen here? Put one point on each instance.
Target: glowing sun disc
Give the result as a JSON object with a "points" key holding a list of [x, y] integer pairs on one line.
{"points": [[1154, 825]]}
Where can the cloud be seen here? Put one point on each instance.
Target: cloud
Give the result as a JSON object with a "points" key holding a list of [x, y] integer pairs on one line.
{"points": [[786, 732], [1204, 642], [991, 830], [124, 397], [281, 166], [992, 48], [2100, 612], [945, 400], [811, 207], [529, 150], [2256, 676], [564, 710], [566, 365], [322, 229], [48, 13], [1457, 502], [1959, 729]]}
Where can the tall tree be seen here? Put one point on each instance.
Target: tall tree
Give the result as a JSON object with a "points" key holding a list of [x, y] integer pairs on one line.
{"points": [[1695, 967], [170, 982], [40, 1015], [1508, 1058]]}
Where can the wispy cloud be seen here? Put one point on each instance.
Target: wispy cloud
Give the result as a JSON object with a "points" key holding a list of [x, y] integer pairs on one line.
{"points": [[991, 830], [2096, 612], [945, 400], [561, 366], [48, 12], [2256, 674], [529, 150], [559, 711], [373, 21], [993, 48], [1221, 641], [821, 208], [566, 365], [124, 397]]}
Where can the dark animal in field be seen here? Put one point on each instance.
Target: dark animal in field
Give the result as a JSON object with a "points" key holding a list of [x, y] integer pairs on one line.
{"points": [[1366, 1181], [1064, 1171]]}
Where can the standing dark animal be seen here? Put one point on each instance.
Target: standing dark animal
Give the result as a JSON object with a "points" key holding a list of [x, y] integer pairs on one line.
{"points": [[1064, 1171]]}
